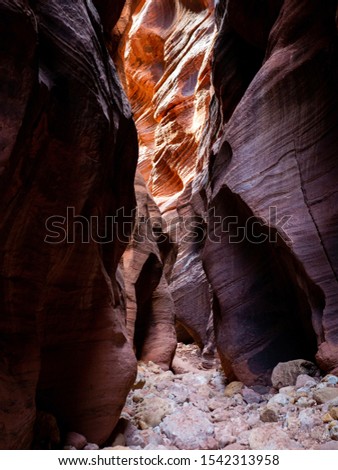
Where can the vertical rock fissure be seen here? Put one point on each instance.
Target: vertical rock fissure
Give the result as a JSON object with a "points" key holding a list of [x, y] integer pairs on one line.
{"points": [[308, 205]]}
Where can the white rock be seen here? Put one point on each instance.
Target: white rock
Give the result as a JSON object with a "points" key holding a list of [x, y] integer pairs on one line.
{"points": [[330, 379], [253, 419], [305, 402], [308, 419], [224, 437], [279, 399], [188, 428], [290, 391], [306, 381], [271, 437]]}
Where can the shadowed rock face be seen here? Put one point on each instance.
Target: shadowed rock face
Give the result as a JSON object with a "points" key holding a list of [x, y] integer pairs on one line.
{"points": [[110, 12], [67, 140], [275, 164], [150, 306]]}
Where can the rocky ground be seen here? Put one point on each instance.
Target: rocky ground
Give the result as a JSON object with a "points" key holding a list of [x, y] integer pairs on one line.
{"points": [[195, 408]]}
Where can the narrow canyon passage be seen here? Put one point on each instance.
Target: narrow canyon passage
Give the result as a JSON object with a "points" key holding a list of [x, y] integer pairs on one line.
{"points": [[169, 224], [221, 153]]}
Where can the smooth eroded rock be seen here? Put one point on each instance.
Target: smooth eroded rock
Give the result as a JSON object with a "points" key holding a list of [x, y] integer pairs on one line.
{"points": [[68, 156], [286, 373], [232, 388], [325, 395], [153, 410]]}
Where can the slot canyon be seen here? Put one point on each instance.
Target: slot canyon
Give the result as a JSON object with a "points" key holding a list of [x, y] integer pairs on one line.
{"points": [[169, 224]]}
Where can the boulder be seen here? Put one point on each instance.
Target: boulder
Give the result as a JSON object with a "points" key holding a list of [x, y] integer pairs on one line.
{"points": [[189, 429], [286, 373], [271, 437]]}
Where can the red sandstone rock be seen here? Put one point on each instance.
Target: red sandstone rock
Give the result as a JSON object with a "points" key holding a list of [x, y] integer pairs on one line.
{"points": [[272, 115], [268, 139], [167, 78], [67, 140], [150, 307], [269, 119], [277, 300]]}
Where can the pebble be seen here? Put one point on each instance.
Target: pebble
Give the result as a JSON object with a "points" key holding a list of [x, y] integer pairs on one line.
{"points": [[91, 446], [334, 433], [334, 412], [253, 419], [233, 388], [224, 437], [321, 385], [178, 392], [332, 424], [289, 391], [218, 382], [330, 379], [250, 396], [119, 440], [261, 389], [327, 418], [305, 401], [324, 395], [243, 438], [219, 415], [196, 380], [137, 398], [139, 383], [308, 419], [279, 399], [269, 414], [305, 381], [116, 448], [152, 410], [236, 446]]}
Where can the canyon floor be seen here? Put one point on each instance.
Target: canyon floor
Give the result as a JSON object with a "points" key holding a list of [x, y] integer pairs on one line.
{"points": [[195, 408]]}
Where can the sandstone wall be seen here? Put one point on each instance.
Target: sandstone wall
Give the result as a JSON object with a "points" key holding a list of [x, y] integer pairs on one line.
{"points": [[67, 140], [274, 167], [164, 58], [149, 304]]}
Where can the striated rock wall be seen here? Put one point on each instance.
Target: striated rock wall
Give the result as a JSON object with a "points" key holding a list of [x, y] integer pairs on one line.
{"points": [[167, 77], [164, 60], [274, 168], [67, 140], [242, 231], [243, 169]]}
